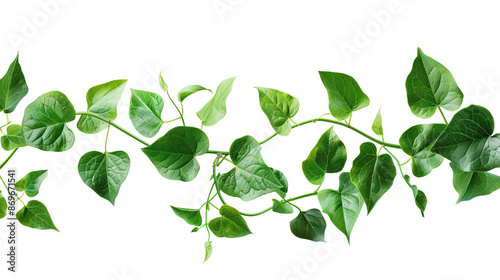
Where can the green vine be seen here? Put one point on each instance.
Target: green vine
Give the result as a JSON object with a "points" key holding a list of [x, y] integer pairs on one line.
{"points": [[467, 141]]}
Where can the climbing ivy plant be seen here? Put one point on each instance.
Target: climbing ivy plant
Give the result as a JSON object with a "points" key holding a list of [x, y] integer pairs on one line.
{"points": [[467, 141]]}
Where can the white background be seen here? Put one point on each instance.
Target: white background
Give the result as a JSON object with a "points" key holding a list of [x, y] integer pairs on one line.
{"points": [[75, 45]]}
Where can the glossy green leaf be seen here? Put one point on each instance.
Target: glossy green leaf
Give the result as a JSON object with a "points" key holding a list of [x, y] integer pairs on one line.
{"points": [[472, 184], [13, 87], [174, 153], [44, 122], [162, 83], [14, 138], [279, 108], [282, 208], [104, 172], [191, 216], [429, 86], [31, 182], [417, 142], [283, 181], [377, 124], [231, 224], [342, 206], [344, 94], [418, 195], [3, 206], [251, 177], [309, 225], [35, 215], [145, 112], [468, 140], [187, 91], [208, 250], [215, 109], [103, 101], [328, 156], [372, 174]]}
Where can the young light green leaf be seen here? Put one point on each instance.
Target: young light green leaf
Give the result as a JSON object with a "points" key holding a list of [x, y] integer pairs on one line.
{"points": [[35, 215], [283, 208], [377, 124], [309, 225], [215, 109], [208, 250], [101, 100], [429, 86], [328, 156], [472, 184], [418, 195], [417, 142], [104, 172], [231, 224], [3, 206], [468, 140], [191, 216], [174, 153], [162, 83], [14, 138], [44, 122], [251, 177], [145, 112], [187, 91], [372, 174], [279, 108], [344, 94], [13, 87], [342, 206], [31, 182]]}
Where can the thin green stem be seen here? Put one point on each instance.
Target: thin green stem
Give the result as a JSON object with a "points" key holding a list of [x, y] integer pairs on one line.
{"points": [[177, 108], [342, 124], [7, 116], [214, 206], [8, 193], [350, 118], [178, 118], [444, 118], [270, 207], [113, 124], [399, 165], [406, 162], [318, 187], [293, 121], [216, 186], [217, 152], [106, 141], [8, 158], [293, 205]]}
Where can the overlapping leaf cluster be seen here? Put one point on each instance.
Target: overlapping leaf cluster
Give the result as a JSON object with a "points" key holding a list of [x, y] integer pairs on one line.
{"points": [[468, 141]]}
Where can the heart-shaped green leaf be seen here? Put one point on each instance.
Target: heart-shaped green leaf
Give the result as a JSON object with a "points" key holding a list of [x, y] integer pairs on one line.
{"points": [[208, 250], [328, 156], [282, 208], [418, 195], [468, 140], [174, 153], [3, 206], [309, 225], [35, 215], [429, 86], [187, 91], [372, 174], [104, 172], [344, 94], [342, 206], [101, 100], [31, 182], [215, 109], [191, 216], [14, 138], [231, 224], [417, 142], [13, 87], [145, 112], [279, 107], [377, 124], [251, 177], [44, 122], [472, 184], [283, 181]]}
